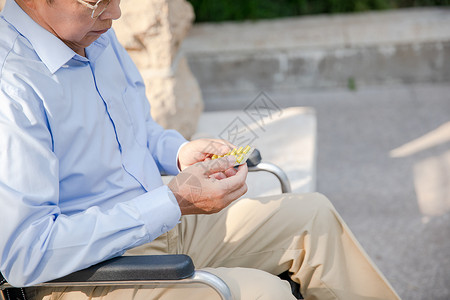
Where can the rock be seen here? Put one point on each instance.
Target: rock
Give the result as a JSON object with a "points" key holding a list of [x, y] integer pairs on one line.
{"points": [[176, 100]]}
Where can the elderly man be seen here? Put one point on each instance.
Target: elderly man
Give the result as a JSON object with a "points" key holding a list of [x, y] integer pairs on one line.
{"points": [[80, 165]]}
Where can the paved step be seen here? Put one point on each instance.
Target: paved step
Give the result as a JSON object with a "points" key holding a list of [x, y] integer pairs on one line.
{"points": [[312, 53]]}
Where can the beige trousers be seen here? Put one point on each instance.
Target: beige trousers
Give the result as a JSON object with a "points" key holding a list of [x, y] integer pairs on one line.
{"points": [[251, 242]]}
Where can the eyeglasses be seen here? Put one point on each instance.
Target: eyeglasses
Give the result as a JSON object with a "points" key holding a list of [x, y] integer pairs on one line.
{"points": [[98, 8]]}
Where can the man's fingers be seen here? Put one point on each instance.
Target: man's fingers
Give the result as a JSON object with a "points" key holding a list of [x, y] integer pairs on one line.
{"points": [[219, 165], [215, 186], [230, 172], [222, 175], [218, 147], [235, 194], [218, 176], [216, 169], [236, 182]]}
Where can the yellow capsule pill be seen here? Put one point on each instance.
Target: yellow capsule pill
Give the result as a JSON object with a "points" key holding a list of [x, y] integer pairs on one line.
{"points": [[239, 158], [233, 152], [239, 151], [246, 149], [214, 156]]}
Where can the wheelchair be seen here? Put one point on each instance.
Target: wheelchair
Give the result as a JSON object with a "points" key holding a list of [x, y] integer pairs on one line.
{"points": [[153, 270]]}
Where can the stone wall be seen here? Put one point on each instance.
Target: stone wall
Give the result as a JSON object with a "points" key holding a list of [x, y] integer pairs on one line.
{"points": [[152, 32]]}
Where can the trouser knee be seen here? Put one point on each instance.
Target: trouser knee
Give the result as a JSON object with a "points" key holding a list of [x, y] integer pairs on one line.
{"points": [[313, 202], [320, 201], [250, 284], [309, 212]]}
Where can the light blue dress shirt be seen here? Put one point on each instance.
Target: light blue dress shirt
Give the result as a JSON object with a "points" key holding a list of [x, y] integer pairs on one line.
{"points": [[80, 156]]}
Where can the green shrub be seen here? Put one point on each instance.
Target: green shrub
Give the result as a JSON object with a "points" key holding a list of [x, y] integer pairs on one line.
{"points": [[236, 10]]}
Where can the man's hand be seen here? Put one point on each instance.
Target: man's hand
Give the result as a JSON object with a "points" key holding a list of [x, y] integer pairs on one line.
{"points": [[209, 186], [200, 150]]}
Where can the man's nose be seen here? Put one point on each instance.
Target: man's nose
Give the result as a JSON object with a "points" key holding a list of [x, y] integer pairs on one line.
{"points": [[112, 11]]}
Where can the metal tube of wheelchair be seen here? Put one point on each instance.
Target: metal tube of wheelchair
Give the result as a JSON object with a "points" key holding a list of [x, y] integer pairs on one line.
{"points": [[199, 276], [213, 281], [277, 171]]}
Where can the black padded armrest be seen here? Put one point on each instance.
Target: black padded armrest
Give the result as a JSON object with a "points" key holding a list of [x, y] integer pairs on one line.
{"points": [[254, 158], [135, 268]]}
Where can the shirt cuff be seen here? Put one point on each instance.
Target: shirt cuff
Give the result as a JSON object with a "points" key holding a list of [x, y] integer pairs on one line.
{"points": [[159, 211], [178, 153]]}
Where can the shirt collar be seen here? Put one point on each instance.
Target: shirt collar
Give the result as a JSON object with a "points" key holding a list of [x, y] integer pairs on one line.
{"points": [[50, 49], [94, 50]]}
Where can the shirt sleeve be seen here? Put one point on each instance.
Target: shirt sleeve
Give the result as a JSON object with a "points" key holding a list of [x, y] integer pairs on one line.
{"points": [[37, 241]]}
